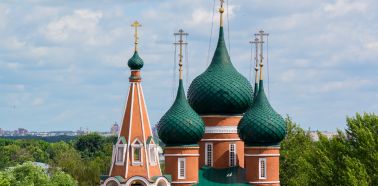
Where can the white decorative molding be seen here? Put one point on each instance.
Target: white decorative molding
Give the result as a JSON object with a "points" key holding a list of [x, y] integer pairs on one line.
{"points": [[232, 139], [222, 130], [207, 145], [111, 179], [179, 166], [264, 182], [262, 169], [180, 155], [149, 123], [143, 133], [131, 119], [137, 178], [262, 155]]}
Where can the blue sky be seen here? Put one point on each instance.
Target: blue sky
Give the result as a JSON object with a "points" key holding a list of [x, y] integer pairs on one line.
{"points": [[63, 63]]}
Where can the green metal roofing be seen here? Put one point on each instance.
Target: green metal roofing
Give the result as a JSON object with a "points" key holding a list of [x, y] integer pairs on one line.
{"points": [[181, 125], [229, 176], [122, 139], [120, 179], [256, 91], [135, 62], [261, 125], [104, 177], [166, 176], [151, 138], [221, 89]]}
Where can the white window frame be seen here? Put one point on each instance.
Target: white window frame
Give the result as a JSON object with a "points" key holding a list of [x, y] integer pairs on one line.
{"points": [[232, 160], [179, 175], [262, 168], [117, 146], [211, 155], [152, 156], [133, 147]]}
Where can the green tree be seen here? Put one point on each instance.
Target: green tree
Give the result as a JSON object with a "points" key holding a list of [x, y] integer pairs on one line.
{"points": [[59, 178], [362, 134], [29, 174], [90, 145], [296, 149]]}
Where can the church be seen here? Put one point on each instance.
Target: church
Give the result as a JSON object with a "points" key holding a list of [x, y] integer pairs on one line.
{"points": [[224, 132]]}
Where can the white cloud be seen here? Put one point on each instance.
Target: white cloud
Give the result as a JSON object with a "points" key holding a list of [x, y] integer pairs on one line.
{"points": [[333, 86], [342, 7], [81, 25], [38, 102]]}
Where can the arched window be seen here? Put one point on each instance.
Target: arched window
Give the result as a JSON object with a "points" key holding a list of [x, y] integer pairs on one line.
{"points": [[137, 183], [137, 155], [112, 183], [162, 183]]}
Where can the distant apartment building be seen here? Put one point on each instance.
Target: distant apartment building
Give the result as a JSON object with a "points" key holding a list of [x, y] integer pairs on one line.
{"points": [[315, 137]]}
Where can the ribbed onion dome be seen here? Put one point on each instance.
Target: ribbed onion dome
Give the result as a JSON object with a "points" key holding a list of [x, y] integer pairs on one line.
{"points": [[135, 62], [221, 89], [181, 125], [261, 125]]}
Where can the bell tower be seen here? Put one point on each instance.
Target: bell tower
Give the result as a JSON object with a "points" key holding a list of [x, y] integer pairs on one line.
{"points": [[135, 159]]}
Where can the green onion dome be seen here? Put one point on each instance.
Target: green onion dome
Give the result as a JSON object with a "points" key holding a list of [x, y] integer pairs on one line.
{"points": [[135, 62], [261, 125], [221, 89], [181, 125]]}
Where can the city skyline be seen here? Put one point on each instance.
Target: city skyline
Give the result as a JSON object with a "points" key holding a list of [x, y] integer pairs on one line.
{"points": [[64, 65]]}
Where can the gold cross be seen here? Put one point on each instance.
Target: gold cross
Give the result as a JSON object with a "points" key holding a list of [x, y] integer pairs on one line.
{"points": [[136, 25], [181, 42], [221, 10]]}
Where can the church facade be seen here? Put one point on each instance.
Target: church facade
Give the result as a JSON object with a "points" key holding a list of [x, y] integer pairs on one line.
{"points": [[224, 132]]}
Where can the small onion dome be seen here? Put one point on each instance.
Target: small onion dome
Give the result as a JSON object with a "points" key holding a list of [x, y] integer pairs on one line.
{"points": [[181, 125], [261, 125], [221, 89], [135, 62]]}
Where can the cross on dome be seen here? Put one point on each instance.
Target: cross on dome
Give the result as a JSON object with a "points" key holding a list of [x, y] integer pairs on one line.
{"points": [[136, 24]]}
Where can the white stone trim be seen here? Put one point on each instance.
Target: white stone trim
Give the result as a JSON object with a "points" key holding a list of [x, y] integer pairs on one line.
{"points": [[164, 179], [235, 155], [262, 155], [149, 125], [111, 179], [182, 155], [224, 139], [264, 182], [119, 132], [120, 163], [179, 160], [152, 146], [113, 160], [133, 146], [139, 178], [221, 130], [130, 121], [212, 154], [143, 133], [265, 176]]}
